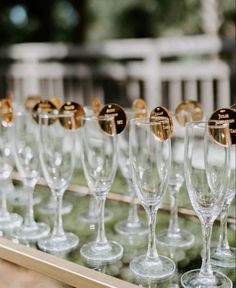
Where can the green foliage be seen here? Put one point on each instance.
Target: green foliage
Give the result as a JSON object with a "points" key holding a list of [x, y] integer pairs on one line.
{"points": [[93, 20], [150, 18]]}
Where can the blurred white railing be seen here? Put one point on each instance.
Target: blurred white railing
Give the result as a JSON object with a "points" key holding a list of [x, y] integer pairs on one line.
{"points": [[163, 71]]}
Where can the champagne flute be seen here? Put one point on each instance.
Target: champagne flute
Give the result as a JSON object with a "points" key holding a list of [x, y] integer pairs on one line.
{"points": [[18, 197], [7, 220], [207, 173], [132, 225], [99, 162], [223, 255], [174, 236], [90, 215], [50, 207], [25, 137], [57, 157], [150, 163]]}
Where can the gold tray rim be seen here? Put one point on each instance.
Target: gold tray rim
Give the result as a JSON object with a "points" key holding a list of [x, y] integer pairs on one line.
{"points": [[57, 268]]}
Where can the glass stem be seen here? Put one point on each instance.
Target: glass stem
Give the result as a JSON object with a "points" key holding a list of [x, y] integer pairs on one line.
{"points": [[3, 201], [152, 250], [173, 229], [52, 199], [175, 278], [223, 243], [206, 269], [29, 216], [92, 207], [58, 230], [101, 236], [133, 218]]}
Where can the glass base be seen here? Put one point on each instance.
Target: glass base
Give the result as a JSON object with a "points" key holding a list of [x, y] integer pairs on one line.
{"points": [[130, 229], [233, 226], [153, 270], [9, 187], [92, 218], [223, 258], [50, 208], [20, 198], [191, 279], [40, 230], [13, 220], [55, 244], [97, 254], [182, 240]]}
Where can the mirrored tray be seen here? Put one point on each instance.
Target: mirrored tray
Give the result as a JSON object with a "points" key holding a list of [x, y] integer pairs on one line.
{"points": [[71, 269]]}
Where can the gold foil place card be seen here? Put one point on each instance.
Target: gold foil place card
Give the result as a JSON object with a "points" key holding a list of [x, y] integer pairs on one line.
{"points": [[119, 115], [221, 116], [189, 110], [96, 105], [31, 101], [47, 107], [163, 129], [140, 108], [6, 112], [72, 108], [56, 101]]}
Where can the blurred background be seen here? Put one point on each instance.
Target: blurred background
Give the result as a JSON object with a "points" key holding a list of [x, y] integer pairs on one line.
{"points": [[88, 21], [162, 51]]}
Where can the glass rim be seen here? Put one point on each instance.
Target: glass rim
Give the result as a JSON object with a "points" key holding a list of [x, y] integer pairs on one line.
{"points": [[203, 124], [148, 122], [45, 115], [21, 113], [97, 118]]}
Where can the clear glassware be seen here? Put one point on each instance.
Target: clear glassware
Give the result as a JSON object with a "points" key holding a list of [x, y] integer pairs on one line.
{"points": [[207, 173], [233, 226], [90, 215], [7, 220], [50, 207], [99, 160], [57, 157], [25, 137], [150, 164], [175, 236], [223, 255], [18, 196], [177, 255], [132, 225]]}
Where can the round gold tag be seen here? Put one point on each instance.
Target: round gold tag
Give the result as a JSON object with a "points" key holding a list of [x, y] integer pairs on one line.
{"points": [[188, 110], [220, 116], [119, 116], [140, 108], [31, 101], [6, 112], [44, 106], [96, 105], [77, 110], [56, 101], [164, 128]]}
